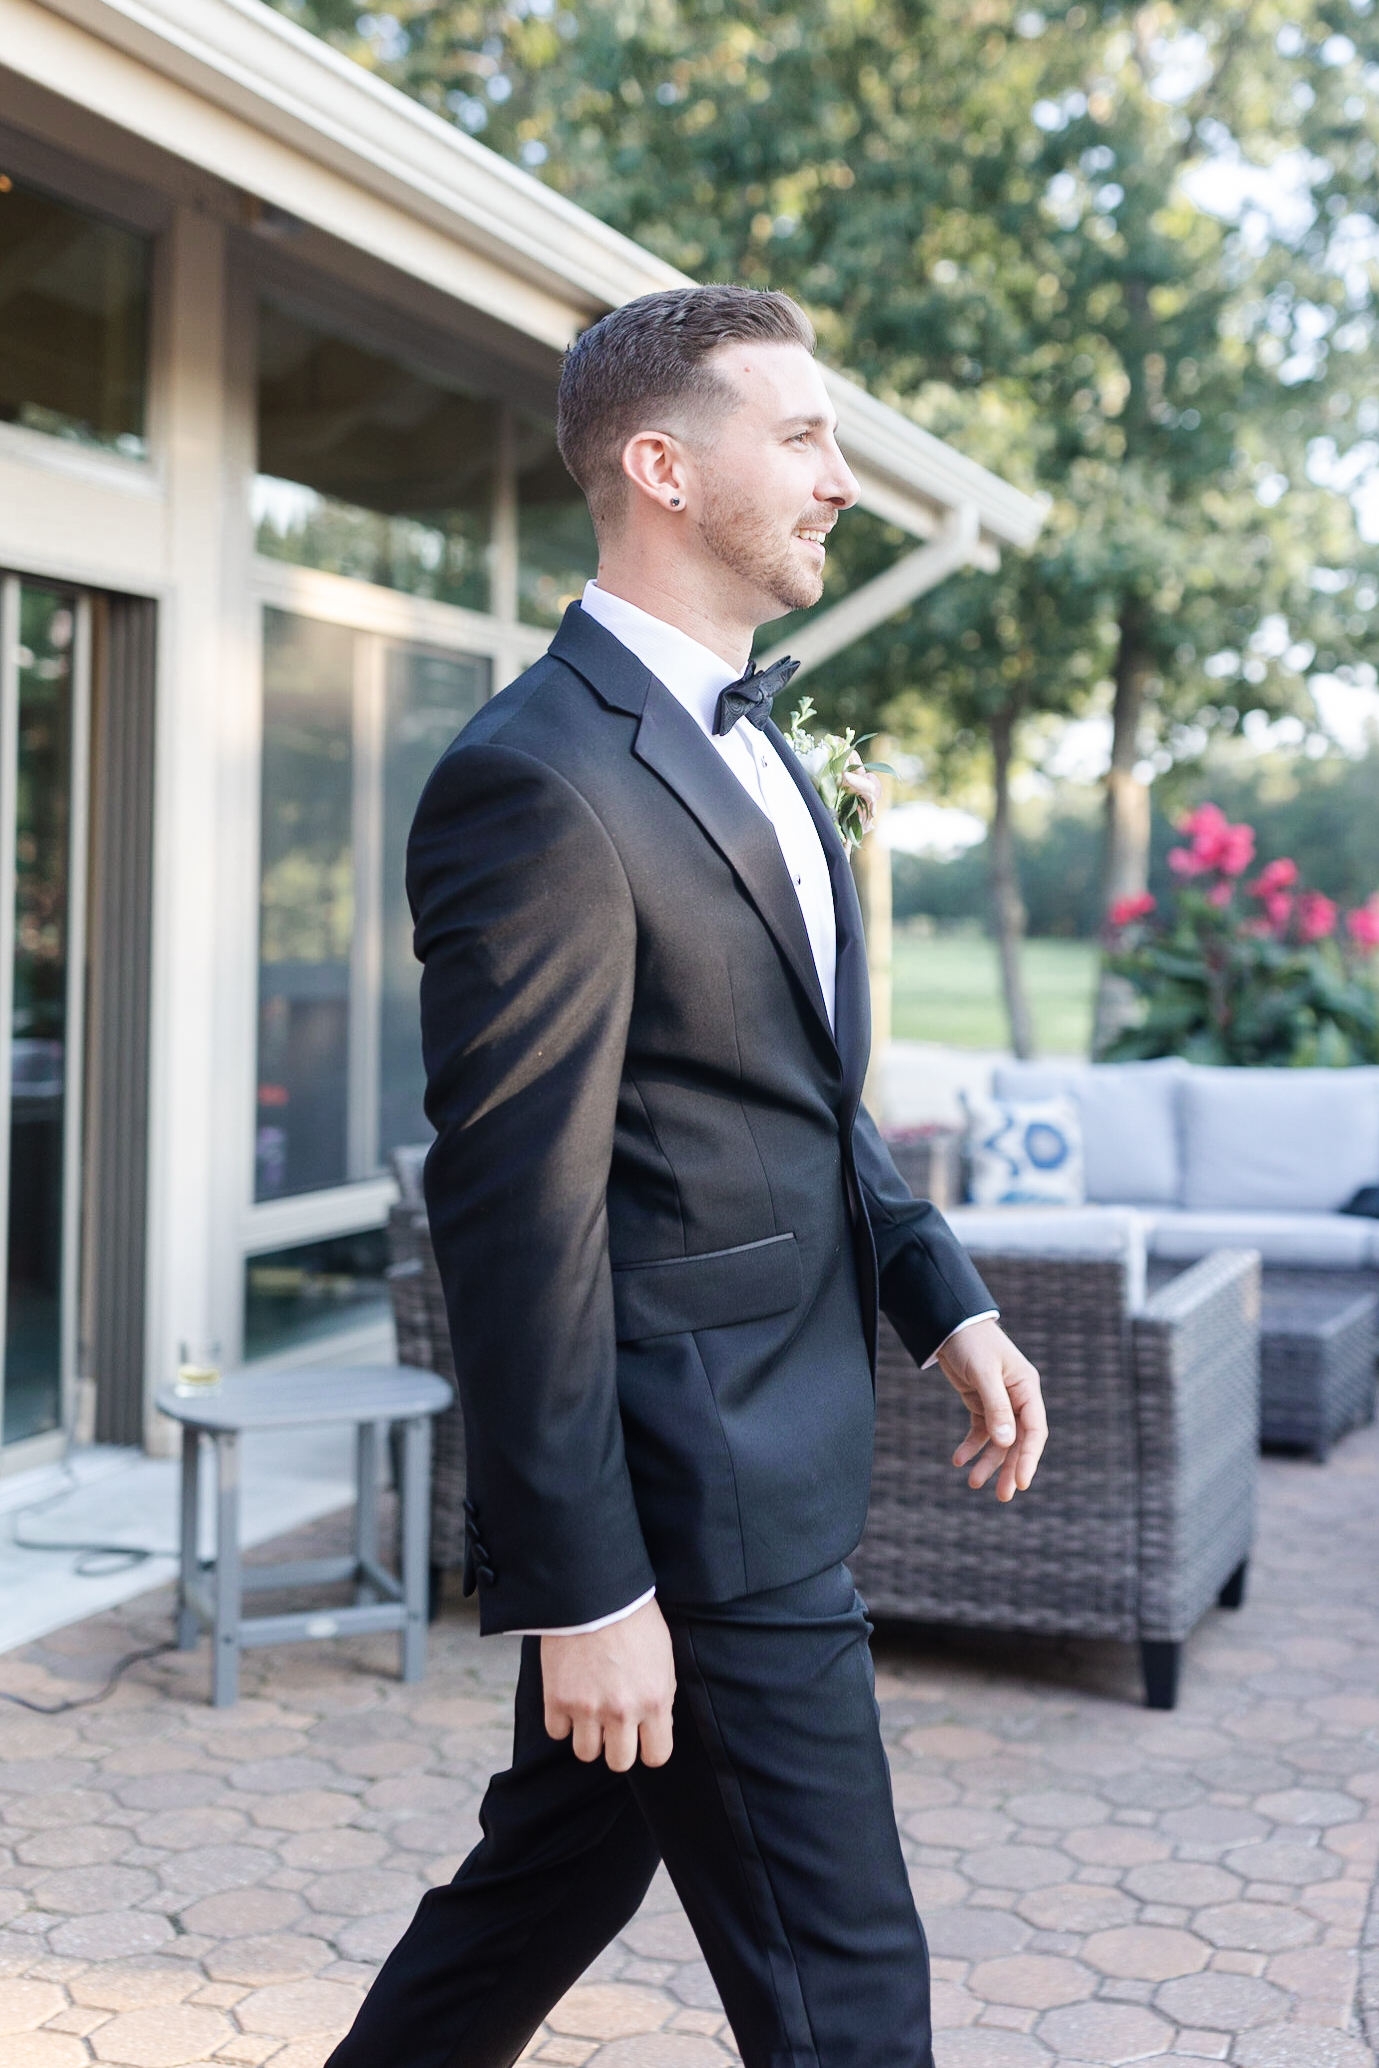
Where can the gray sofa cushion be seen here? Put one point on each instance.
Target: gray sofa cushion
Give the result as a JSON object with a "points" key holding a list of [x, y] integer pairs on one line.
{"points": [[1304, 1242], [1276, 1141], [1130, 1122], [1059, 1231]]}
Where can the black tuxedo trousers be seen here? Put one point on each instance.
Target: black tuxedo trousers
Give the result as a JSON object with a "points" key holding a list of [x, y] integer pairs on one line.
{"points": [[773, 1818]]}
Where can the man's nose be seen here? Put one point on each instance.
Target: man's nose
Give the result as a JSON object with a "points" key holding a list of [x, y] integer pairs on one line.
{"points": [[839, 485]]}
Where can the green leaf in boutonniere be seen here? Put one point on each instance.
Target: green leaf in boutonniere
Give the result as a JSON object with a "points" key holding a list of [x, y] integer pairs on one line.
{"points": [[849, 786]]}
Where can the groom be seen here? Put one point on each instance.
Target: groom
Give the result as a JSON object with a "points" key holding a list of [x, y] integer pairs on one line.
{"points": [[664, 1223]]}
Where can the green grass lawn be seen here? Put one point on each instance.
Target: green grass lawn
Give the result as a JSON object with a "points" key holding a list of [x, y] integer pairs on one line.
{"points": [[949, 989]]}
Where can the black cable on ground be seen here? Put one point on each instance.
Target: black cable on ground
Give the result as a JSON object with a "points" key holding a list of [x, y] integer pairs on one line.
{"points": [[121, 1666]]}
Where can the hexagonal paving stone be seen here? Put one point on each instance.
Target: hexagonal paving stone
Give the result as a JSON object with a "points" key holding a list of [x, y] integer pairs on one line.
{"points": [[1074, 1906], [1222, 2003], [45, 2050], [659, 2050], [1015, 1866], [983, 2047], [608, 2010], [170, 2036], [1254, 1927], [1300, 2046], [1319, 1806], [1145, 1952], [1189, 1882], [1105, 2033], [110, 1934], [287, 2010], [1056, 1809], [1031, 1981], [134, 1984], [24, 2004], [240, 1913], [82, 1891]]}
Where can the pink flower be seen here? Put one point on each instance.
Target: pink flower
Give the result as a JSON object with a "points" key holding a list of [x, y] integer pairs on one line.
{"points": [[1363, 925], [1125, 911], [865, 787], [1237, 850], [1279, 875], [1279, 908], [1316, 916], [1220, 895], [1216, 844]]}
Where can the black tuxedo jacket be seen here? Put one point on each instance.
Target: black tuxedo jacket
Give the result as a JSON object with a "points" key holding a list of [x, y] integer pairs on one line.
{"points": [[662, 1219]]}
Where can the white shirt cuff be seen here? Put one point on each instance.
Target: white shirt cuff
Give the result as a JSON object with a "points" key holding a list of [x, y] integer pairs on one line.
{"points": [[991, 1314], [619, 1615]]}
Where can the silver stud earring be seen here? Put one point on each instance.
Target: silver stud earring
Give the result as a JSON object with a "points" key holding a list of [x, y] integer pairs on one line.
{"points": [[675, 502]]}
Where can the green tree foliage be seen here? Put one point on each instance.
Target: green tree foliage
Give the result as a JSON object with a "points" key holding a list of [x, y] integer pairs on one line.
{"points": [[1008, 221]]}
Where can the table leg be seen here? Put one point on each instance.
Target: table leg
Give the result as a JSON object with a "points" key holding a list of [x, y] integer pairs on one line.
{"points": [[366, 1504], [416, 1518], [188, 1623], [228, 1598]]}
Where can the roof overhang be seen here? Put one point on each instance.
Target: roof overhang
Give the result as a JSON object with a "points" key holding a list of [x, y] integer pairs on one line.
{"points": [[235, 88]]}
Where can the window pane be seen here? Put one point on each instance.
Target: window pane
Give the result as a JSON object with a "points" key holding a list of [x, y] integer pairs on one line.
{"points": [[370, 468], [306, 905], [431, 696], [294, 1296], [556, 550], [33, 1345], [73, 322]]}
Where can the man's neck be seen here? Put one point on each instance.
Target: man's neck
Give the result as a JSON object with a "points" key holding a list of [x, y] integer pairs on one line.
{"points": [[679, 606]]}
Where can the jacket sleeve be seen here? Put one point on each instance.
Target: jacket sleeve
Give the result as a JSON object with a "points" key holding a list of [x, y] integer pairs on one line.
{"points": [[526, 934], [928, 1283]]}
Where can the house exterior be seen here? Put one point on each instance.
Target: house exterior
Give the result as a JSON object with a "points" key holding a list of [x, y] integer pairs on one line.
{"points": [[279, 507]]}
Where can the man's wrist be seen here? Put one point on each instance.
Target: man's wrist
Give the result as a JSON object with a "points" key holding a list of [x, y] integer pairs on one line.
{"points": [[991, 1314], [619, 1615]]}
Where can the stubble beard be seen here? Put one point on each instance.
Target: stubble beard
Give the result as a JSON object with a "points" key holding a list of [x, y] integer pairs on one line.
{"points": [[751, 546]]}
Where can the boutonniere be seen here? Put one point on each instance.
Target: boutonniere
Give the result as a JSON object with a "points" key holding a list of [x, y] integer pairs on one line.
{"points": [[849, 787]]}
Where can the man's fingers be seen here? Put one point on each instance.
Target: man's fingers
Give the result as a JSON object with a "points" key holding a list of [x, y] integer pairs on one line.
{"points": [[588, 1738], [620, 1746], [657, 1739], [996, 1409], [557, 1722]]}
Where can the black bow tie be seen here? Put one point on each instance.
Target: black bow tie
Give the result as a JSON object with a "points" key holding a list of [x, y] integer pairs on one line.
{"points": [[751, 697]]}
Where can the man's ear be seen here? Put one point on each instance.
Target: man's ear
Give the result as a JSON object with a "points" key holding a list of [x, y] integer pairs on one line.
{"points": [[657, 466]]}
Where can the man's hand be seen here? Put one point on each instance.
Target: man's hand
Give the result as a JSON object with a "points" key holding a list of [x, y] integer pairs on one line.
{"points": [[1000, 1390], [612, 1689]]}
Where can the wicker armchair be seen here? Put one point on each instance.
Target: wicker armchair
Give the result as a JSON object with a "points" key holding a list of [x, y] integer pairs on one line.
{"points": [[1142, 1514], [423, 1339]]}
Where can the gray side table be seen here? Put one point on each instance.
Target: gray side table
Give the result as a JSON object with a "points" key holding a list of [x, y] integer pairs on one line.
{"points": [[211, 1594]]}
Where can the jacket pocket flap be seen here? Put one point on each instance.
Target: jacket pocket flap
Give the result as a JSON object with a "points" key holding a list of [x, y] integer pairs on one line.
{"points": [[713, 1290]]}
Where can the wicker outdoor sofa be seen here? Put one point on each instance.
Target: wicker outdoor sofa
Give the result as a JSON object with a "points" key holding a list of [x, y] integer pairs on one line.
{"points": [[1142, 1514]]}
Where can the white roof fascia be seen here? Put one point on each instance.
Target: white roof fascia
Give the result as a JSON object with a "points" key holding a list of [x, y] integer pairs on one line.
{"points": [[433, 188]]}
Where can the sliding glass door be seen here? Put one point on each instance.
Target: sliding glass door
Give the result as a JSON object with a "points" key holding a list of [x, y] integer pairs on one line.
{"points": [[44, 670]]}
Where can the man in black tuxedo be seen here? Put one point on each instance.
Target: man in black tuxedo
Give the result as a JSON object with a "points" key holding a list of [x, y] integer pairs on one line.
{"points": [[664, 1224]]}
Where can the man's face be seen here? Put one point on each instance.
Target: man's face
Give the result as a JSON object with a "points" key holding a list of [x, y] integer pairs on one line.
{"points": [[770, 480]]}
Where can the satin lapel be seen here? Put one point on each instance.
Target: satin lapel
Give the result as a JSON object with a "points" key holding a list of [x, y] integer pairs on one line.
{"points": [[852, 990], [671, 744]]}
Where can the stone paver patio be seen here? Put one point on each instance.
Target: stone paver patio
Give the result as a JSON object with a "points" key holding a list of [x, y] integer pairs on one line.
{"points": [[180, 1885]]}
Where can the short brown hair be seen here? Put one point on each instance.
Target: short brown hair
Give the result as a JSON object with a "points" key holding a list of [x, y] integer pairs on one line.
{"points": [[647, 358]]}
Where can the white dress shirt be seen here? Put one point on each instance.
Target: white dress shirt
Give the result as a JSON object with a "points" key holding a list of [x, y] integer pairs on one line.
{"points": [[695, 677]]}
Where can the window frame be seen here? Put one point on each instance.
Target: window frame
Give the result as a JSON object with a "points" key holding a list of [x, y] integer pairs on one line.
{"points": [[382, 617]]}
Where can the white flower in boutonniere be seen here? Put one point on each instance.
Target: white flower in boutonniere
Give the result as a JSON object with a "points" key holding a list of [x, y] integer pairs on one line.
{"points": [[849, 786]]}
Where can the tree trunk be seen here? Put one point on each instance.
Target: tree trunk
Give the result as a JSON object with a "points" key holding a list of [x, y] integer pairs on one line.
{"points": [[1007, 906], [1125, 858]]}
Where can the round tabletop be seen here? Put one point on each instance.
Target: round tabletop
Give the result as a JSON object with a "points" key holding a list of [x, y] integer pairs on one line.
{"points": [[318, 1393]]}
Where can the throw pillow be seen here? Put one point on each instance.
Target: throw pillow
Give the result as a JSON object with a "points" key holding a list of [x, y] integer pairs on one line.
{"points": [[1024, 1152]]}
